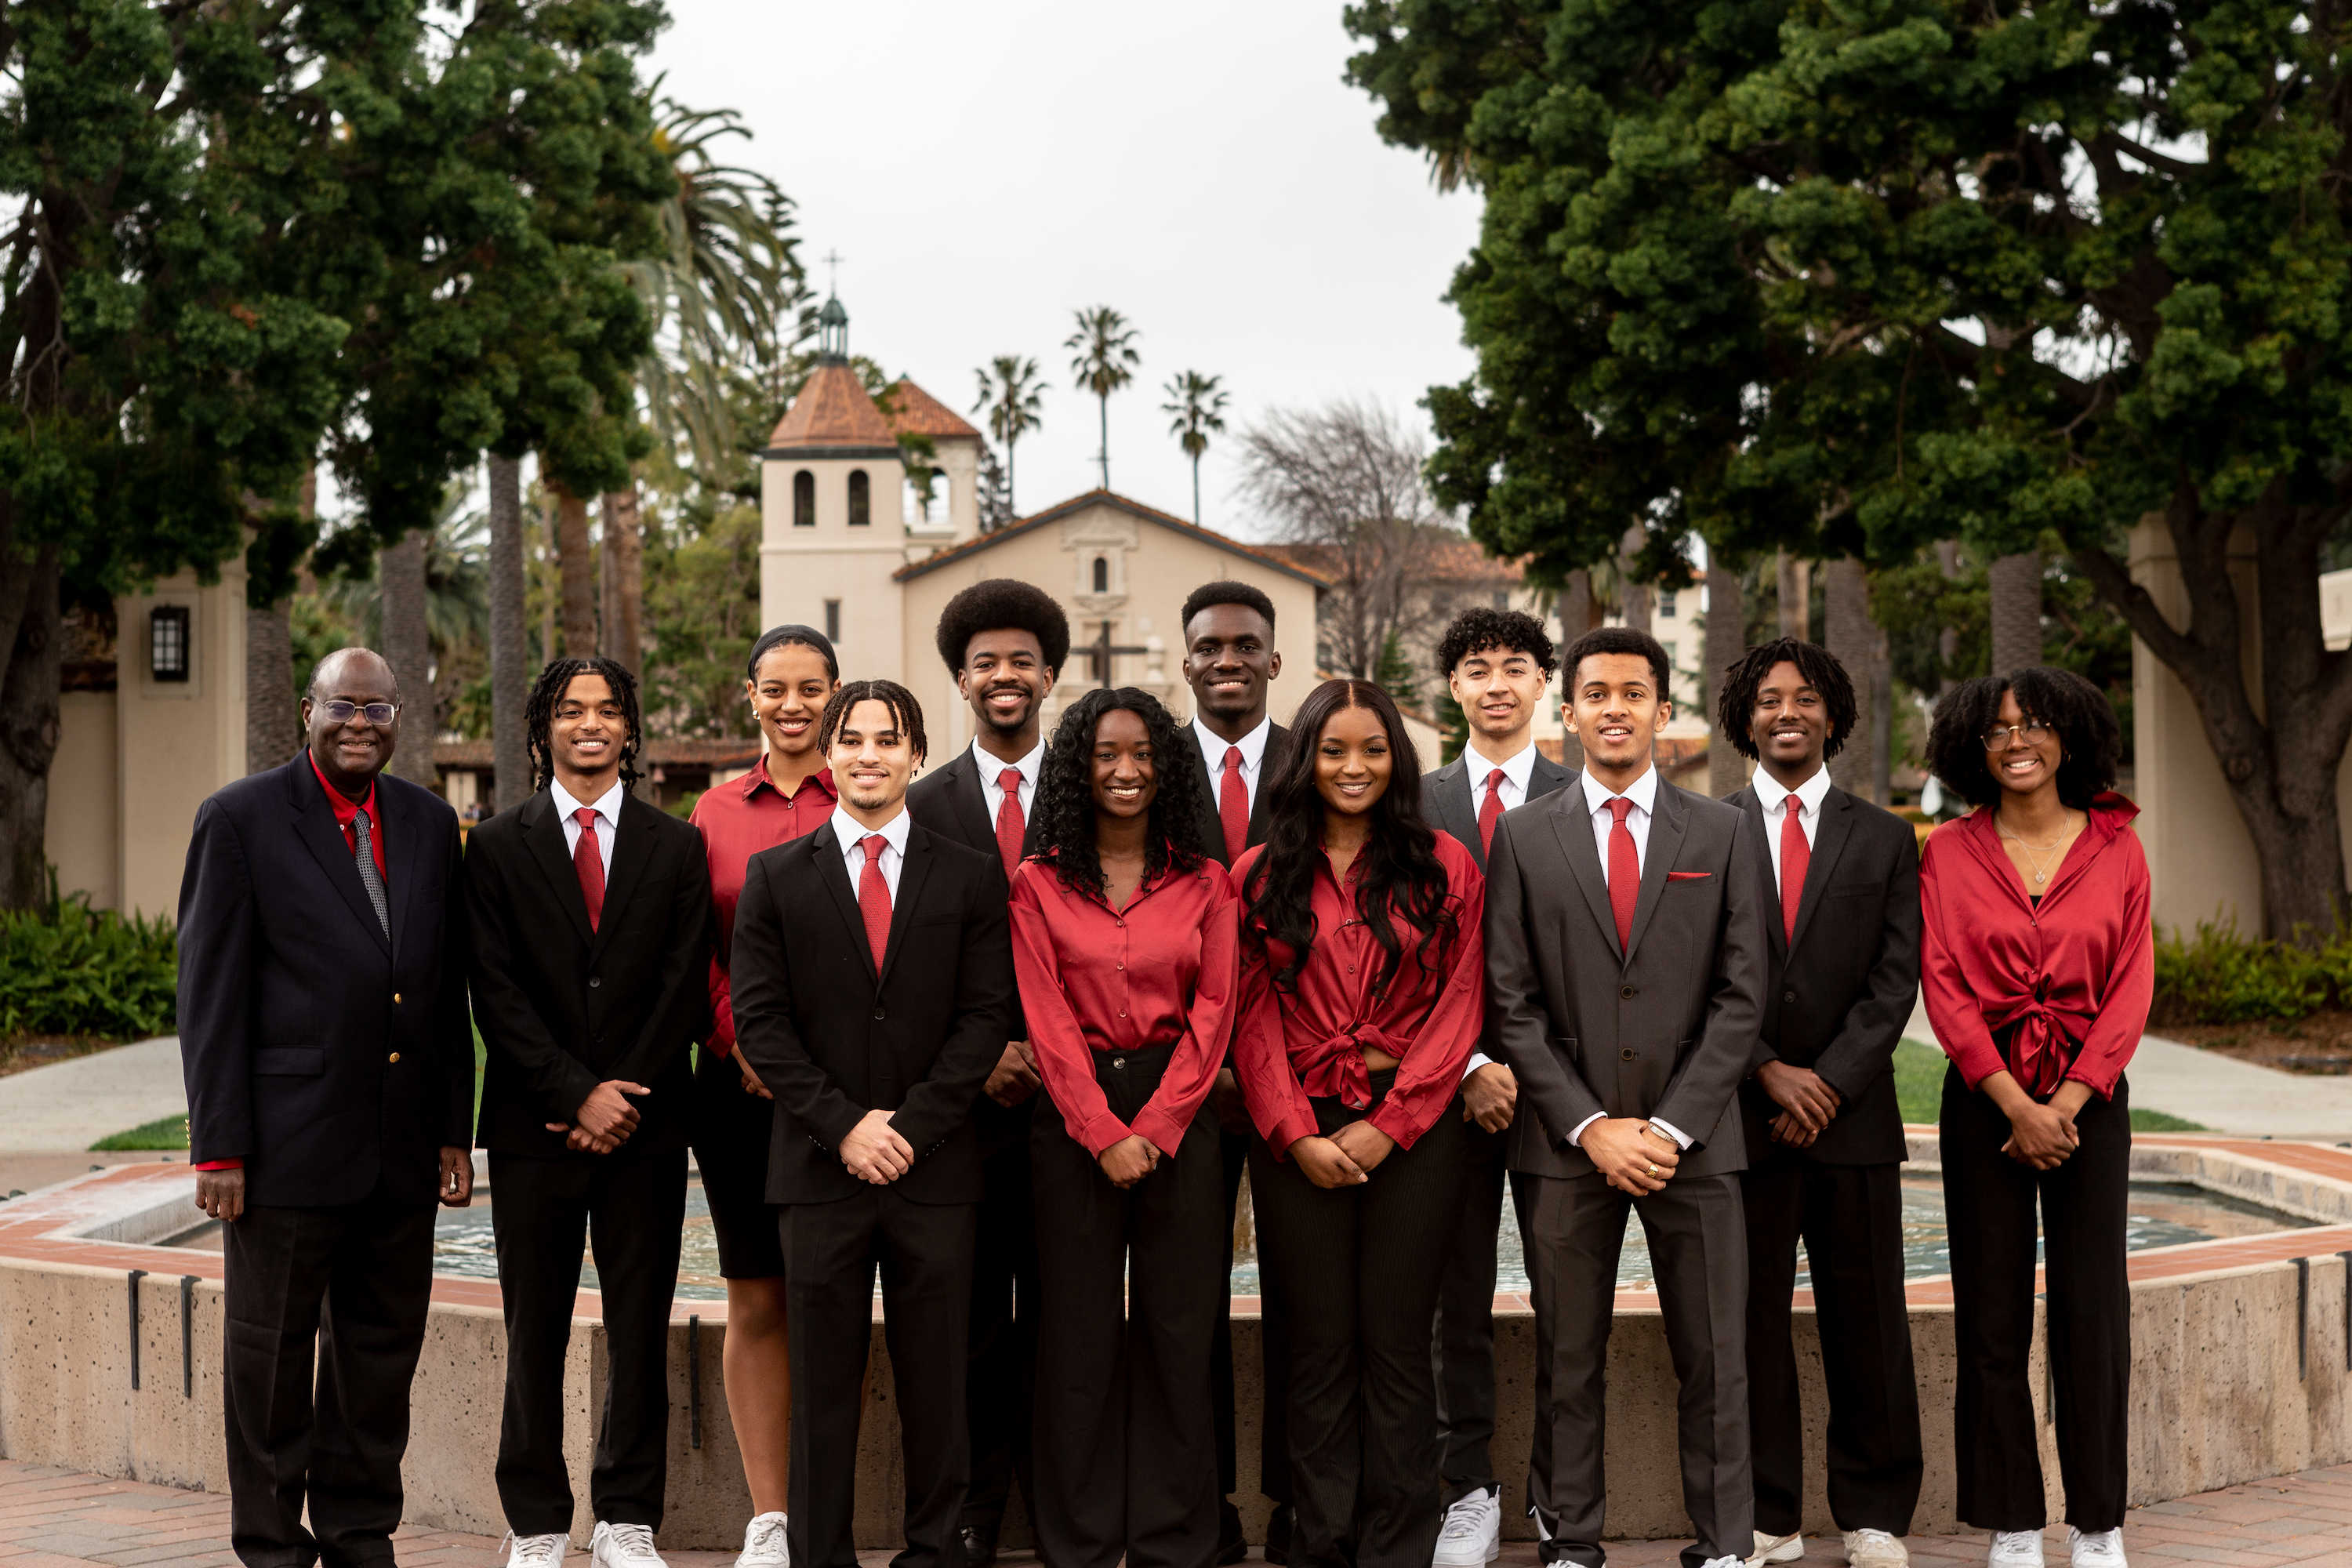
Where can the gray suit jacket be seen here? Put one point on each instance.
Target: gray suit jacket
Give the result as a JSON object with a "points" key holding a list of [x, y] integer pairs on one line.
{"points": [[1453, 794], [1664, 1027]]}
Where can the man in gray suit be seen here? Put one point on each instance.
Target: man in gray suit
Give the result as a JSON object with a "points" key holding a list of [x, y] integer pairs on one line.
{"points": [[1498, 664], [1626, 959]]}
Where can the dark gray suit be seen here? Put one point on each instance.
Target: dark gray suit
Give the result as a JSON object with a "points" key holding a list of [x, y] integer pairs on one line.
{"points": [[1839, 995], [1664, 1025], [1464, 1342]]}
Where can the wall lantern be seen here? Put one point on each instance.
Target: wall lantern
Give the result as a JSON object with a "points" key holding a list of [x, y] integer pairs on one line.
{"points": [[167, 642]]}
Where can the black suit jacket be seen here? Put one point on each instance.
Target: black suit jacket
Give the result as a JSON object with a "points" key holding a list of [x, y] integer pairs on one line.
{"points": [[326, 1055], [1213, 826], [1454, 793], [833, 1039], [563, 1008], [1840, 994], [952, 803]]}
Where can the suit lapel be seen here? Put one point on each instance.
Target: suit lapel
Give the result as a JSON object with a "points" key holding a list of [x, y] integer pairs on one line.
{"points": [[315, 825], [1573, 826], [1666, 824], [1450, 795], [1547, 777], [1269, 762], [971, 792], [1829, 842], [543, 830], [833, 872], [1745, 799], [1213, 826], [914, 867], [632, 847]]}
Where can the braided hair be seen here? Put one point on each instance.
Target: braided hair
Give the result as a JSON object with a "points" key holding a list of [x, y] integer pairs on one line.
{"points": [[905, 712], [1735, 709], [1065, 793], [539, 714]]}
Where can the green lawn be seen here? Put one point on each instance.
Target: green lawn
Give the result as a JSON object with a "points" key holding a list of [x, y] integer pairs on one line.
{"points": [[1919, 1090]]}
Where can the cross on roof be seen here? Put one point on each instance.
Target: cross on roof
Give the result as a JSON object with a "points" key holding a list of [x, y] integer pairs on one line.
{"points": [[1100, 652], [833, 272]]}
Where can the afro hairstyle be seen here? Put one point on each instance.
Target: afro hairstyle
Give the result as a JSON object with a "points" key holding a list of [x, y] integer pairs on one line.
{"points": [[994, 603]]}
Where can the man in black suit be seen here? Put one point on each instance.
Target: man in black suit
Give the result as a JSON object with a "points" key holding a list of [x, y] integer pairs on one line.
{"points": [[1498, 665], [1229, 660], [330, 1079], [1825, 1142], [872, 984], [1005, 641], [1626, 962], [591, 914]]}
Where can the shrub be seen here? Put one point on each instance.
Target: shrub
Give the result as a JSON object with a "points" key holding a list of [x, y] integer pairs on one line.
{"points": [[2220, 977], [72, 970]]}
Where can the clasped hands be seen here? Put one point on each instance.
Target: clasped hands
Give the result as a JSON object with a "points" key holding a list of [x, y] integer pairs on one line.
{"points": [[1807, 1102], [604, 1120], [1630, 1155], [1346, 1158]]}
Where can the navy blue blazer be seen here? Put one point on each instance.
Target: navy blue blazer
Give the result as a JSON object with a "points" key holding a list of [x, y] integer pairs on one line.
{"points": [[327, 1055]]}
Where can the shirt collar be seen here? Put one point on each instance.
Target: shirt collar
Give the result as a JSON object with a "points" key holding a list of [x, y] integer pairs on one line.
{"points": [[1769, 792], [990, 765], [1642, 793], [1252, 745], [758, 779], [606, 806], [342, 805], [849, 830], [1518, 769]]}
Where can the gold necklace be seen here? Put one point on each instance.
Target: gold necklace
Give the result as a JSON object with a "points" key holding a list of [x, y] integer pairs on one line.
{"points": [[2039, 875]]}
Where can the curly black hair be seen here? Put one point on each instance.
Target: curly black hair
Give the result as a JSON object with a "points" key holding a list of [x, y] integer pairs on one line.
{"points": [[1482, 630], [1402, 879], [2090, 743], [1226, 591], [1734, 705], [1064, 813], [905, 712], [995, 602], [539, 714]]}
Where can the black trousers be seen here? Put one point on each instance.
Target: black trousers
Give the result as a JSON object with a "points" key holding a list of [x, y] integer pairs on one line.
{"points": [[1126, 1464], [1988, 1202], [1851, 1220], [1001, 1370], [1360, 1268], [354, 1281], [630, 1208], [1273, 1434], [1574, 1228], [831, 1253], [1464, 1342]]}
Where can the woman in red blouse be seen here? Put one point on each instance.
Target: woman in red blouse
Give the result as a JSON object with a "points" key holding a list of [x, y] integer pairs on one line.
{"points": [[1363, 974], [789, 792], [1123, 936], [2037, 967]]}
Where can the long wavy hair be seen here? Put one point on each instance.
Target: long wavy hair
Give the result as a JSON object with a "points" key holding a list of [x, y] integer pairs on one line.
{"points": [[1401, 884], [1065, 792]]}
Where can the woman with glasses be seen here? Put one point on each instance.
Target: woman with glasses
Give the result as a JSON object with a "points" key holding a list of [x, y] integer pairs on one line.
{"points": [[2037, 966]]}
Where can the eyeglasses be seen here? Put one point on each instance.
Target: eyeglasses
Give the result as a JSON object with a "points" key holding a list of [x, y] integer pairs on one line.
{"points": [[2033, 731], [342, 713]]}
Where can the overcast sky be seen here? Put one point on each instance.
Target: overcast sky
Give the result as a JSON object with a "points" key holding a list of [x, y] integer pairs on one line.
{"points": [[984, 169]]}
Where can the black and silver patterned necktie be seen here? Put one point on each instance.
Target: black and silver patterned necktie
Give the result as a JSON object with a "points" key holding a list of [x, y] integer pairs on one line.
{"points": [[366, 859]]}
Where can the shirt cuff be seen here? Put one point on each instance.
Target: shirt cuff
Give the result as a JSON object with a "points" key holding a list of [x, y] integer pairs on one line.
{"points": [[1477, 1060], [1576, 1137], [220, 1165], [1681, 1138], [1289, 1130]]}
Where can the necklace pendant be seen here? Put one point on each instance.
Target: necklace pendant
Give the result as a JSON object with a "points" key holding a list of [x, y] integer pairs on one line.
{"points": [[2037, 878]]}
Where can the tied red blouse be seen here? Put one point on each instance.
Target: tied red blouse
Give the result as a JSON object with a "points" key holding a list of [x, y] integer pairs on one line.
{"points": [[739, 819], [2079, 966], [1160, 972], [1287, 1047]]}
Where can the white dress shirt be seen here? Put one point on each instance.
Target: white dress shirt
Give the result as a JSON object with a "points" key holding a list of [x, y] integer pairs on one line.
{"points": [[1643, 792], [1515, 774], [1213, 751], [992, 775], [1807, 795], [607, 808], [850, 833]]}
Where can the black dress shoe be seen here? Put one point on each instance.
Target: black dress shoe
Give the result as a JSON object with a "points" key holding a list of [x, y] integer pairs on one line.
{"points": [[1231, 1546], [978, 1551], [1277, 1534]]}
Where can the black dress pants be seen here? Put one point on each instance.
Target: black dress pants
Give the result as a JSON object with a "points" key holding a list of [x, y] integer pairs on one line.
{"points": [[1464, 1342], [1850, 1220], [354, 1281], [1360, 1268], [1126, 1464], [1002, 1368], [1988, 1202], [1272, 1436], [630, 1208], [831, 1253]]}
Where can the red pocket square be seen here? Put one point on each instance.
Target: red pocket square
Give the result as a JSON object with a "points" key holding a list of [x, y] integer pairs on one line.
{"points": [[1688, 876]]}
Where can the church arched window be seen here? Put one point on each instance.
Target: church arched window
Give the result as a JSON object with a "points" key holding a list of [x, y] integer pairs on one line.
{"points": [[803, 499], [861, 498], [1102, 574]]}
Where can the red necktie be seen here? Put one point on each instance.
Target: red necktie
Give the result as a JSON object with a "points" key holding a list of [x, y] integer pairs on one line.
{"points": [[874, 897], [1796, 854], [1489, 810], [1625, 871], [1233, 806], [590, 864], [1009, 825]]}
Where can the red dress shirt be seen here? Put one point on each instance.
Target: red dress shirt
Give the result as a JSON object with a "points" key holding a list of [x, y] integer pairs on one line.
{"points": [[1162, 971], [739, 819], [2079, 966], [1289, 1046]]}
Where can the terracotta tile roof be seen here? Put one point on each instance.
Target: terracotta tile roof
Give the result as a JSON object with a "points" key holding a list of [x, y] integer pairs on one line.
{"points": [[833, 410], [1267, 554], [1455, 559], [914, 411]]}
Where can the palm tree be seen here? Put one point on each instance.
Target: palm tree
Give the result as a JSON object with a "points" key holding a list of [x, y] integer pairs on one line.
{"points": [[1198, 402], [1102, 353], [1008, 390]]}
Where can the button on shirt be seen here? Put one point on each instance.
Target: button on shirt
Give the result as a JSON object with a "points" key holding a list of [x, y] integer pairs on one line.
{"points": [[1643, 792], [607, 808], [1213, 752], [1775, 800], [992, 774], [848, 830], [738, 819]]}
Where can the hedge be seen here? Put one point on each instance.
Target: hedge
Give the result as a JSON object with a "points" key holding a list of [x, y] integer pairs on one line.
{"points": [[72, 970], [2220, 977]]}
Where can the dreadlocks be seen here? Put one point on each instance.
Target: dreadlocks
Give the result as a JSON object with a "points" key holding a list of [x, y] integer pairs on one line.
{"points": [[1816, 666], [539, 715]]}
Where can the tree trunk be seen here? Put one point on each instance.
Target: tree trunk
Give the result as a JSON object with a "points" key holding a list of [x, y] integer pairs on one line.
{"points": [[1794, 589], [273, 721], [30, 716], [1634, 599], [2013, 592], [625, 576], [1882, 709], [1948, 641], [1845, 609], [408, 648], [509, 655], [1727, 617], [578, 564], [1575, 620]]}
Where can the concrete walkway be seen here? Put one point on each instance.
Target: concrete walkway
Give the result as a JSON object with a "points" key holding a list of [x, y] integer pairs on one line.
{"points": [[68, 1106]]}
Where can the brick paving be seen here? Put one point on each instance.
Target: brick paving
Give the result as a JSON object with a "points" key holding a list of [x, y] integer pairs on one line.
{"points": [[52, 1518]]}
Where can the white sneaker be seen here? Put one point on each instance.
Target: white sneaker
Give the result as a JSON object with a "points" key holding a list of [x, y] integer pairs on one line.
{"points": [[1472, 1535], [2016, 1549], [1725, 1562], [2103, 1550], [1875, 1548], [1776, 1548], [534, 1550], [763, 1544], [623, 1546]]}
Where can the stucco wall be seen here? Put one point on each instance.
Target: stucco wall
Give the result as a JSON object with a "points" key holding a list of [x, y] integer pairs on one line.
{"points": [[84, 828]]}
